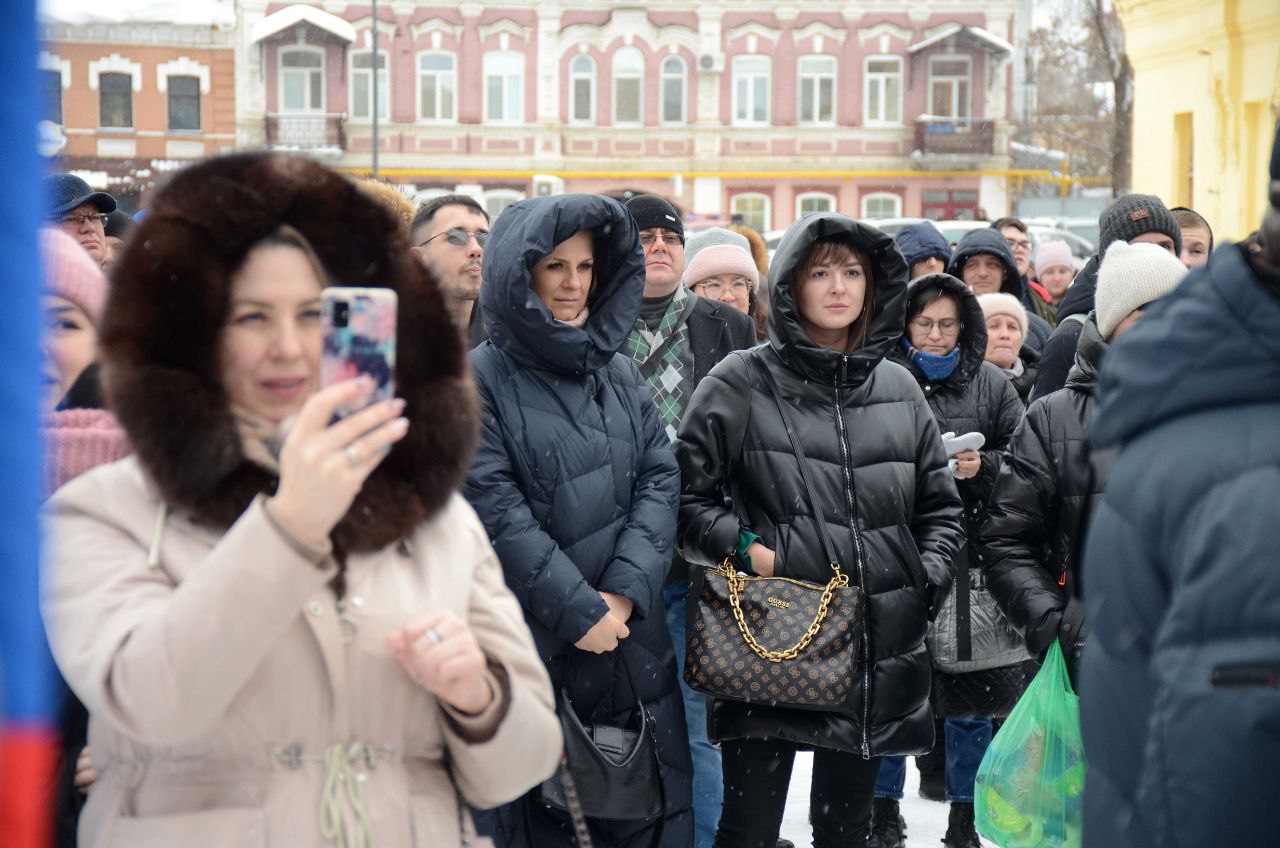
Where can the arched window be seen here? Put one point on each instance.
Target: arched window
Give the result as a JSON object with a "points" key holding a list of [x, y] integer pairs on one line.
{"points": [[582, 90], [362, 86], [817, 89], [437, 87], [754, 209], [882, 96], [674, 90], [881, 204], [813, 202], [628, 87]]}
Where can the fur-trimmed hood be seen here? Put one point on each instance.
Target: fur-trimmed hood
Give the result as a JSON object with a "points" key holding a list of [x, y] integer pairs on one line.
{"points": [[170, 299]]}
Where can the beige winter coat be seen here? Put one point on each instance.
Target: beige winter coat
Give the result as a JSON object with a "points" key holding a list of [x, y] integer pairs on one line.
{"points": [[220, 674]]}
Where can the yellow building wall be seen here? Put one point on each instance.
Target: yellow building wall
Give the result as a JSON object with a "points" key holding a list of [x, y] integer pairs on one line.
{"points": [[1206, 101]]}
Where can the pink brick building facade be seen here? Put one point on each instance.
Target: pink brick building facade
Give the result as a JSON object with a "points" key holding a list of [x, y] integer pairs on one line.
{"points": [[761, 109]]}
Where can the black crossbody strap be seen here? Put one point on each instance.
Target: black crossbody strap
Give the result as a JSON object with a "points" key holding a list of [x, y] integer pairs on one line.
{"points": [[772, 384]]}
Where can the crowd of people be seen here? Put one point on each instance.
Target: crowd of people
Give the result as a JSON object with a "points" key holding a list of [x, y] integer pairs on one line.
{"points": [[463, 612]]}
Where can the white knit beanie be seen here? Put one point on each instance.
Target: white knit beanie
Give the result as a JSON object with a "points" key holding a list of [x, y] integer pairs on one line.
{"points": [[1130, 277], [1002, 303]]}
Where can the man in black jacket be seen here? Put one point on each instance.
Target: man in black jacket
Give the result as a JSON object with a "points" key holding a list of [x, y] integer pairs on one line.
{"points": [[677, 339], [1133, 218], [1051, 480], [985, 264]]}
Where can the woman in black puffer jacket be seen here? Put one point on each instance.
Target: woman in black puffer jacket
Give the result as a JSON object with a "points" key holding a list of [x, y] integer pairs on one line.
{"points": [[976, 655], [576, 484], [880, 474]]}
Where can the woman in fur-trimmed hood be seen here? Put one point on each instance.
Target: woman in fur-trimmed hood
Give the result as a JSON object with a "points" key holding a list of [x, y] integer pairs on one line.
{"points": [[287, 632]]}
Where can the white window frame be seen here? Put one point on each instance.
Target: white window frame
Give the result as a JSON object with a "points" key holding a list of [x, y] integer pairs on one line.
{"points": [[814, 195], [384, 85], [439, 75], [505, 195], [867, 200], [591, 78], [507, 77], [201, 91], [880, 79], [133, 118], [816, 79], [967, 102], [664, 76], [629, 52], [750, 104], [280, 77], [767, 214]]}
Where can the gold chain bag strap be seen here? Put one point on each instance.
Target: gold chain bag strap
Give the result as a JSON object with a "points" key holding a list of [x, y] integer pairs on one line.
{"points": [[777, 640]]}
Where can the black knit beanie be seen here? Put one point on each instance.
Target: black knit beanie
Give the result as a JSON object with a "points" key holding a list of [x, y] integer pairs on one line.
{"points": [[650, 211], [1134, 214]]}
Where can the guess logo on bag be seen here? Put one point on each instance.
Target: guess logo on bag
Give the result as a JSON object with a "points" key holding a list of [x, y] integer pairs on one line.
{"points": [[779, 603]]}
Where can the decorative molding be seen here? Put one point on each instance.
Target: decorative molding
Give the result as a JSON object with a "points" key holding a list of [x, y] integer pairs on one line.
{"points": [[471, 10], [365, 24], [115, 63], [508, 26], [183, 66], [755, 28], [786, 13], [50, 62], [436, 25], [818, 28], [884, 28], [633, 24]]}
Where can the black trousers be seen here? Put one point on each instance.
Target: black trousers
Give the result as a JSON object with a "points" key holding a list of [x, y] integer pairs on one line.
{"points": [[756, 776]]}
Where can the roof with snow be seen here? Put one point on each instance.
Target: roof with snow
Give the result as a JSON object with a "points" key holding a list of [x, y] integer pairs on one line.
{"points": [[203, 12], [984, 38], [278, 22]]}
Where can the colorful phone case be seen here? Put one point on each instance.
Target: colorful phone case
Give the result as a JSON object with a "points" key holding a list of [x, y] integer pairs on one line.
{"points": [[359, 338]]}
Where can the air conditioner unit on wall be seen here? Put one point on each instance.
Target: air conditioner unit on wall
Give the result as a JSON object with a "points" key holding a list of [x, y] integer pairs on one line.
{"points": [[711, 63], [546, 185]]}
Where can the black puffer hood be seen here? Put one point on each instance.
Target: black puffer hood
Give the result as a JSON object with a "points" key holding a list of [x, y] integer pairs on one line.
{"points": [[1090, 351], [1079, 297], [986, 240], [516, 319], [973, 330], [888, 273]]}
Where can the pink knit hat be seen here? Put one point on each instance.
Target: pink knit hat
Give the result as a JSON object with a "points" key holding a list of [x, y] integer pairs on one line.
{"points": [[71, 273], [1002, 303], [720, 259], [1052, 254]]}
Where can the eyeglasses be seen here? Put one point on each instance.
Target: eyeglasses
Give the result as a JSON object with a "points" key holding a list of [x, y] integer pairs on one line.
{"points": [[715, 288], [1018, 244], [86, 218], [647, 240], [459, 237], [947, 326]]}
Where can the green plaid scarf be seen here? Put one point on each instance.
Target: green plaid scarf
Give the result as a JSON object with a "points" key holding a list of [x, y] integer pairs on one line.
{"points": [[665, 359]]}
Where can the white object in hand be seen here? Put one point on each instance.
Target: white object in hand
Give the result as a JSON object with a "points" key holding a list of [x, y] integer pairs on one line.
{"points": [[953, 444]]}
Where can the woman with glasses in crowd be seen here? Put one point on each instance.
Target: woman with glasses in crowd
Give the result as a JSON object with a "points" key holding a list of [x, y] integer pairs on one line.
{"points": [[976, 654], [289, 629], [884, 492]]}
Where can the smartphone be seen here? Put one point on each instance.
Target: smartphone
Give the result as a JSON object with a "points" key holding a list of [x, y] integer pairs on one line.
{"points": [[359, 327]]}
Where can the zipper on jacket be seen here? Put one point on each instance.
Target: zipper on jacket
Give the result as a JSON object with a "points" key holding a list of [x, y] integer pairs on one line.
{"points": [[851, 498]]}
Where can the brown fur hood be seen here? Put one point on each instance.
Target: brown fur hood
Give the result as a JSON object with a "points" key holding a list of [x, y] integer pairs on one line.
{"points": [[170, 299]]}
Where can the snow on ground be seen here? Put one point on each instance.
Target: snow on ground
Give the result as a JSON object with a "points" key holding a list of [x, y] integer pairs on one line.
{"points": [[926, 820]]}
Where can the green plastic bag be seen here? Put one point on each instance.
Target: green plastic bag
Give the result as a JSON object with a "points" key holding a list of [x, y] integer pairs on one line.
{"points": [[1029, 791]]}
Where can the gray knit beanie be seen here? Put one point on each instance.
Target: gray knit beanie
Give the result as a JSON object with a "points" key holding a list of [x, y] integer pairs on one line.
{"points": [[1134, 214], [716, 235]]}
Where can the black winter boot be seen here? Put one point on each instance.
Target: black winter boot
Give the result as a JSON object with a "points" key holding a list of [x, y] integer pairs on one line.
{"points": [[888, 830], [961, 832]]}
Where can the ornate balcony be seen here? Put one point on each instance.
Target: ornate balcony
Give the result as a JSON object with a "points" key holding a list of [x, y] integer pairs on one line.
{"points": [[316, 132], [954, 136]]}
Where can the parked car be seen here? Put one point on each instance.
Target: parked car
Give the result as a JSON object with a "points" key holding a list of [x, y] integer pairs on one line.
{"points": [[1084, 228], [1081, 249]]}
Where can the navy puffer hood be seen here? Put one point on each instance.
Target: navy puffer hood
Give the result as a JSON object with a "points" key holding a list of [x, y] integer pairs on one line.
{"points": [[921, 241], [888, 274], [973, 329], [517, 320], [986, 240]]}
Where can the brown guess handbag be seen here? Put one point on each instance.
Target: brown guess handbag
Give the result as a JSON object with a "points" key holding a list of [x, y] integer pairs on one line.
{"points": [[777, 640]]}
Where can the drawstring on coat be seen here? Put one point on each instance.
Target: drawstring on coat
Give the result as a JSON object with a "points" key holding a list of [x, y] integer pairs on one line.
{"points": [[157, 536]]}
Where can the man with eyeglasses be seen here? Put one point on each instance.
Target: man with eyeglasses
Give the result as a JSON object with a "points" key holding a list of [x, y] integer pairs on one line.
{"points": [[984, 262], [448, 235], [1018, 237], [678, 337], [80, 212]]}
